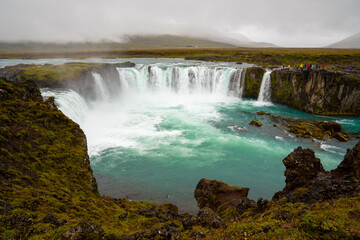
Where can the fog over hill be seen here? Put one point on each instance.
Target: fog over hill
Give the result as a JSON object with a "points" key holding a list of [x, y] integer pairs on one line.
{"points": [[350, 42], [280, 22], [134, 42]]}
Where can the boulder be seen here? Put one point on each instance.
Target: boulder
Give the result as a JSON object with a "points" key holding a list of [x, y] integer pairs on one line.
{"points": [[342, 137], [332, 126], [255, 123], [261, 113], [302, 167], [218, 195]]}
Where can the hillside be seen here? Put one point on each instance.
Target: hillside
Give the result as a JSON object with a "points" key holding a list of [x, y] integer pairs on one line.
{"points": [[134, 42], [349, 42]]}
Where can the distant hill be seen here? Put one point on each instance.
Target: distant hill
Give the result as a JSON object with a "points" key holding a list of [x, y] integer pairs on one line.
{"points": [[349, 42], [134, 42]]}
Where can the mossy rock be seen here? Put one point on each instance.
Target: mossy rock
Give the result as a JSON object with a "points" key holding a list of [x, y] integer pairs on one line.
{"points": [[342, 137], [255, 123], [318, 130], [261, 113]]}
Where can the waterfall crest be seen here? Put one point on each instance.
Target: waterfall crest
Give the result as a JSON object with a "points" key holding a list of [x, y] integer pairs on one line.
{"points": [[183, 79]]}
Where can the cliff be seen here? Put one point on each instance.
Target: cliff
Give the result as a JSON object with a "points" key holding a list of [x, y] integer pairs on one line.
{"points": [[76, 76], [47, 188], [317, 91], [253, 78]]}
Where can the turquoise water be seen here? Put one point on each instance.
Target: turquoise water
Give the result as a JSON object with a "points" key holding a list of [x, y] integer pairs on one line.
{"points": [[154, 141], [185, 146]]}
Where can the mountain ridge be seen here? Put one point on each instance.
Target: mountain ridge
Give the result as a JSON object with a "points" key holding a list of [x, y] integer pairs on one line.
{"points": [[352, 41], [134, 42]]}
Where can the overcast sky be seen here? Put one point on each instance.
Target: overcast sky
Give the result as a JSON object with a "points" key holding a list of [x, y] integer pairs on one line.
{"points": [[303, 23]]}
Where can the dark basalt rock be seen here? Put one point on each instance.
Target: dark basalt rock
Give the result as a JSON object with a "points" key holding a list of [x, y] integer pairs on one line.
{"points": [[208, 218], [49, 218], [331, 126], [349, 168], [218, 195], [85, 230], [307, 181], [319, 92], [261, 113], [50, 102], [301, 167], [244, 204], [164, 215], [166, 232]]}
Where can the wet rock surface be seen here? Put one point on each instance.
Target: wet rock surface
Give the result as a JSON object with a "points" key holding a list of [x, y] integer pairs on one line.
{"points": [[255, 123], [307, 181], [317, 91]]}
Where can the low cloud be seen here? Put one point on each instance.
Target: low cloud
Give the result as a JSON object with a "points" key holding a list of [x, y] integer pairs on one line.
{"points": [[284, 23]]}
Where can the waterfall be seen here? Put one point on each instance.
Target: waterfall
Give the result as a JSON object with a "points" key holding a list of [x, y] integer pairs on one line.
{"points": [[265, 88], [237, 81], [242, 83], [101, 88], [178, 79], [69, 102]]}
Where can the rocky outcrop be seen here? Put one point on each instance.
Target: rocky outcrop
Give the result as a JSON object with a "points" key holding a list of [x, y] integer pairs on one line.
{"points": [[218, 195], [255, 123], [321, 130], [317, 91], [307, 181], [253, 78], [349, 168]]}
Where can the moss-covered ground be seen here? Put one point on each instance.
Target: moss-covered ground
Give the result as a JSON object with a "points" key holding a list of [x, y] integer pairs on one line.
{"points": [[53, 74]]}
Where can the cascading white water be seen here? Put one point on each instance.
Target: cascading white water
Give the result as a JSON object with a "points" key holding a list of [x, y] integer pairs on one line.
{"points": [[70, 103], [237, 83], [242, 83], [179, 79], [101, 88], [265, 88]]}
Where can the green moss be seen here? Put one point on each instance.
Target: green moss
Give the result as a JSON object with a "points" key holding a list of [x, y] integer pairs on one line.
{"points": [[314, 129], [253, 78]]}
